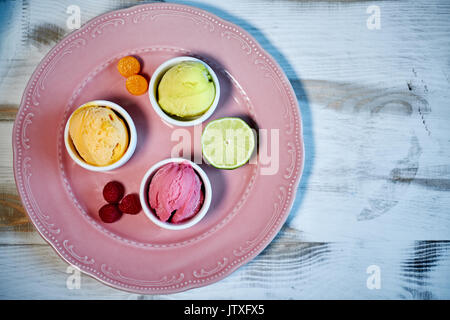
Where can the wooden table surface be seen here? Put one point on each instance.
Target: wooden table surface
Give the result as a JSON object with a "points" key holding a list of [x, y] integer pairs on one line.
{"points": [[375, 188]]}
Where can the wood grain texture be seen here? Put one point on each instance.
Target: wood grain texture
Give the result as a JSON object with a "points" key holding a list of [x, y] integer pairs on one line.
{"points": [[288, 268], [375, 188]]}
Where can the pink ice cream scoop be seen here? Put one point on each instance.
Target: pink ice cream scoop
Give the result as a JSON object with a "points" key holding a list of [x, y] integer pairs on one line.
{"points": [[175, 192]]}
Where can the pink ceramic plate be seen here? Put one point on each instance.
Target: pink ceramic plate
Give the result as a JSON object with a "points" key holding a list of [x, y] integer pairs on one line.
{"points": [[62, 199]]}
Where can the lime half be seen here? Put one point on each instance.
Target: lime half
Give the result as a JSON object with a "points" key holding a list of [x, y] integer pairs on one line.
{"points": [[228, 143]]}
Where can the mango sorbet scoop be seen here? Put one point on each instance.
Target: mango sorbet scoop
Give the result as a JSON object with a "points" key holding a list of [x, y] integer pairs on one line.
{"points": [[99, 135]]}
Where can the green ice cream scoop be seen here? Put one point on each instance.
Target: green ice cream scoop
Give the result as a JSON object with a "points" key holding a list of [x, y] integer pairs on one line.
{"points": [[186, 90]]}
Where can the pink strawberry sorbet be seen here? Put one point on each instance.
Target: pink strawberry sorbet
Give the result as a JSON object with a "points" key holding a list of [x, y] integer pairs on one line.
{"points": [[175, 192]]}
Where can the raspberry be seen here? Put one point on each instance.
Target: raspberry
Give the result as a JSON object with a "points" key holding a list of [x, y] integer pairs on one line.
{"points": [[109, 213], [113, 192], [130, 204]]}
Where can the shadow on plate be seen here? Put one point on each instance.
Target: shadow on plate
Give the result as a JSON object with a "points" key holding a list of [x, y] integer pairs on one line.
{"points": [[219, 69], [302, 98], [139, 118], [218, 185]]}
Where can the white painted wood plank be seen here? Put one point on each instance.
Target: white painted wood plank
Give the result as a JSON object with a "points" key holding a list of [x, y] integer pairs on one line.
{"points": [[376, 173], [287, 269], [375, 111], [357, 184]]}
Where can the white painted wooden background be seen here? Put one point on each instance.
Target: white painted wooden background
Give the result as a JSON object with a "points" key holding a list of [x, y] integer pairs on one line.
{"points": [[376, 117]]}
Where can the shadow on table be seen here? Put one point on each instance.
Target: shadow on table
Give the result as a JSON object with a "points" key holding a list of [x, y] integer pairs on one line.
{"points": [[308, 138]]}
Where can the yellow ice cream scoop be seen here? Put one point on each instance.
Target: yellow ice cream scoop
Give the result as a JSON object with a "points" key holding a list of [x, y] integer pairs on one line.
{"points": [[186, 90], [99, 135]]}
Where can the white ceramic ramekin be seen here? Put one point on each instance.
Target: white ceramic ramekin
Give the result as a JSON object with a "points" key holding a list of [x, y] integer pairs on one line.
{"points": [[143, 195], [131, 144], [153, 89]]}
